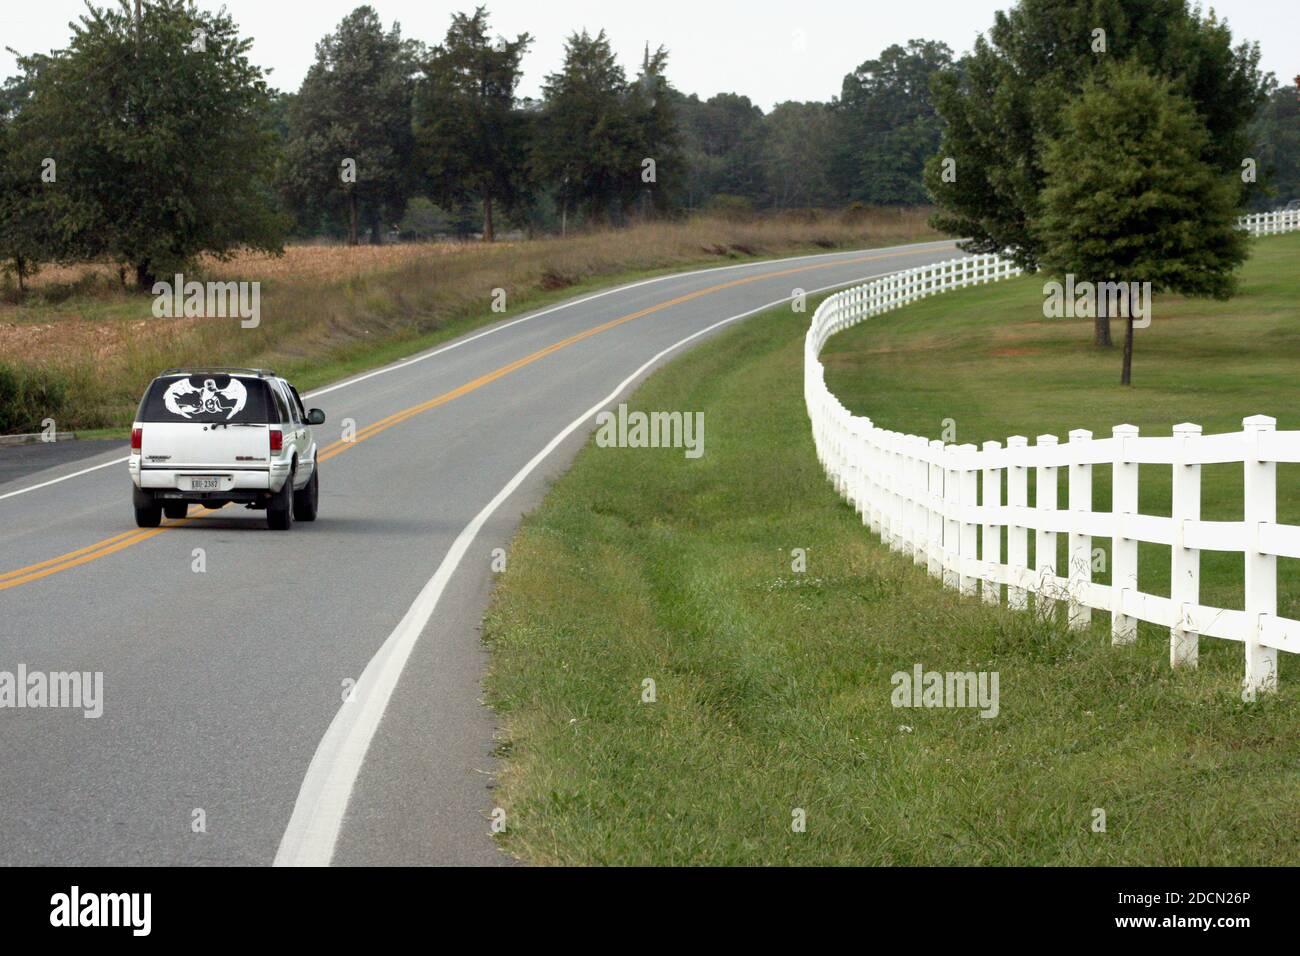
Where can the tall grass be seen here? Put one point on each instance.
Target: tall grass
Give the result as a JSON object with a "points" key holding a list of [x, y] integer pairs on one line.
{"points": [[327, 309]]}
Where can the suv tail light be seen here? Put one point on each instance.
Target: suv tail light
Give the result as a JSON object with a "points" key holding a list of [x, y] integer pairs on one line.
{"points": [[137, 435], [277, 439]]}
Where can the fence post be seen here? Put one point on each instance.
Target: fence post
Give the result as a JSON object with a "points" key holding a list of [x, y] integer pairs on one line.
{"points": [[1017, 533], [934, 553], [918, 482], [951, 544], [969, 488], [1185, 563], [1123, 550], [898, 514], [1045, 541], [1080, 544], [1261, 569], [992, 532], [872, 515]]}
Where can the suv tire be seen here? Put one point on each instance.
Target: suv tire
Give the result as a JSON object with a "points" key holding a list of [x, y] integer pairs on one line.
{"points": [[150, 516], [305, 502], [279, 513]]}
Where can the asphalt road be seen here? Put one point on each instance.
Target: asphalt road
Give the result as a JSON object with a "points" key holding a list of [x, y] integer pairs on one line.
{"points": [[17, 461], [225, 737]]}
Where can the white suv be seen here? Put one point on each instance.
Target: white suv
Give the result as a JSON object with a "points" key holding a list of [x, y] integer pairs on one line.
{"points": [[211, 436]]}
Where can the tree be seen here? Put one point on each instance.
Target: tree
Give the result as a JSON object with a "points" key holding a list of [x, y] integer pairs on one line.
{"points": [[1130, 196], [797, 158], [351, 145], [886, 125], [470, 131], [21, 249], [1275, 145], [588, 141], [157, 134], [659, 140], [722, 147], [1004, 101]]}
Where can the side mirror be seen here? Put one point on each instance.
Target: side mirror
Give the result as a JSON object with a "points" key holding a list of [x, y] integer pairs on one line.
{"points": [[315, 417]]}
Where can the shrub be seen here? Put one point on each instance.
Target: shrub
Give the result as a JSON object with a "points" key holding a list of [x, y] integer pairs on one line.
{"points": [[27, 396]]}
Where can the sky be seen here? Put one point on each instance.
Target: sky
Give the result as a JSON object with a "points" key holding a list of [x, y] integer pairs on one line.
{"points": [[769, 50]]}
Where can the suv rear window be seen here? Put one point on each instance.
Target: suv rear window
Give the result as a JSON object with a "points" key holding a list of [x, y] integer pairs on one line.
{"points": [[208, 398]]}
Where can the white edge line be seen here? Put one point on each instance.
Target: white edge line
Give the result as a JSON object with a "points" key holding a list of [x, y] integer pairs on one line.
{"points": [[317, 819], [505, 325], [55, 481]]}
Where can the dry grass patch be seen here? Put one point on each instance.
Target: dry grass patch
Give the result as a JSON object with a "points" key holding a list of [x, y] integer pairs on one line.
{"points": [[330, 310]]}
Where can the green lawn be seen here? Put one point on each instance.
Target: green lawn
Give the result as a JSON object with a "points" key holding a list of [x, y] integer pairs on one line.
{"points": [[774, 686]]}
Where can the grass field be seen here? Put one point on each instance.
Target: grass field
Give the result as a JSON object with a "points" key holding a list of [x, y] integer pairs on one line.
{"points": [[773, 686], [81, 349]]}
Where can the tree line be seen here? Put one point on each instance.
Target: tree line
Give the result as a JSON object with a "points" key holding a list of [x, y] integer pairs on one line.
{"points": [[151, 137]]}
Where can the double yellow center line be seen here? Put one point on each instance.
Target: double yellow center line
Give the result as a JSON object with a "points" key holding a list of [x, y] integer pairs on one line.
{"points": [[100, 549]]}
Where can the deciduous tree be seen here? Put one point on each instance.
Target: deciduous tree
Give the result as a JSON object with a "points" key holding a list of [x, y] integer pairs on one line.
{"points": [[1130, 196], [158, 134]]}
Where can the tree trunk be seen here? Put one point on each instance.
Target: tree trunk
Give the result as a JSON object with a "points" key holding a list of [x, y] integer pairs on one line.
{"points": [[1126, 377], [20, 266], [352, 218], [1101, 325], [488, 234], [376, 237], [144, 277]]}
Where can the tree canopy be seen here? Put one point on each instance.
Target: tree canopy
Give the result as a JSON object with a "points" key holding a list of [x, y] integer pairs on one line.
{"points": [[156, 138], [1008, 97]]}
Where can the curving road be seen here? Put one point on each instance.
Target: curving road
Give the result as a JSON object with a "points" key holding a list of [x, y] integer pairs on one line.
{"points": [[225, 738]]}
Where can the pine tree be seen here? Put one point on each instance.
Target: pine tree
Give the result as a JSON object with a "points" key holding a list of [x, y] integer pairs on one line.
{"points": [[471, 133]]}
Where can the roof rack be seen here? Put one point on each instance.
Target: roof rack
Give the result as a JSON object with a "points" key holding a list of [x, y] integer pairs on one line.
{"points": [[218, 369]]}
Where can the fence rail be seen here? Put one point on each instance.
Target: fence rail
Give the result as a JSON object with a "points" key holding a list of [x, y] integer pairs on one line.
{"points": [[948, 505], [1271, 223]]}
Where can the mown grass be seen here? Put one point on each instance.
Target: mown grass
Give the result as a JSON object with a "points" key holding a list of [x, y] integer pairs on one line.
{"points": [[328, 312], [774, 686]]}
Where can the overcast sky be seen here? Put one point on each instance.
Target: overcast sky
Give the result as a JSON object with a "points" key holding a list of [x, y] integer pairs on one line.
{"points": [[770, 50]]}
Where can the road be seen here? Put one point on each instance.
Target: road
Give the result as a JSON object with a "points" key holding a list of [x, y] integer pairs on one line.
{"points": [[225, 736]]}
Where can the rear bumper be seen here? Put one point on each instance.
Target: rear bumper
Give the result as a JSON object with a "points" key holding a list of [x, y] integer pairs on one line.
{"points": [[235, 483]]}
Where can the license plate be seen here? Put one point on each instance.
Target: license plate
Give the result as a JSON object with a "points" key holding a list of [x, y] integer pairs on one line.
{"points": [[205, 484]]}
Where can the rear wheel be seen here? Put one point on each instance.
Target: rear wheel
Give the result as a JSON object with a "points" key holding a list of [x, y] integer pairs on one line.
{"points": [[279, 513], [148, 512], [306, 501], [150, 516], [176, 509]]}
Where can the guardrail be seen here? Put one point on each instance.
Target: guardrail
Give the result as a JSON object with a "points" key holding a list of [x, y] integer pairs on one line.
{"points": [[949, 506], [1270, 223]]}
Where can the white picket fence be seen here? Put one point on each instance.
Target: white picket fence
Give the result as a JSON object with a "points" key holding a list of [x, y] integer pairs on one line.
{"points": [[1270, 223], [947, 505]]}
